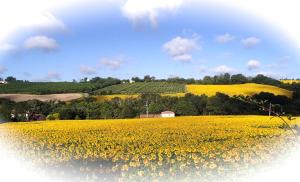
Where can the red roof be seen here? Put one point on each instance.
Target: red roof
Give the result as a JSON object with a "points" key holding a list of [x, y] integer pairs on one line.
{"points": [[167, 112]]}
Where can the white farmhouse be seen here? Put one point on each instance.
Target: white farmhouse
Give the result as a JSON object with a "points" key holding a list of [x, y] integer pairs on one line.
{"points": [[167, 114], [131, 81], [3, 82]]}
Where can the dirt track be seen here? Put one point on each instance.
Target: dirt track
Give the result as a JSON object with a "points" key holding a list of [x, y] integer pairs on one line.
{"points": [[26, 97]]}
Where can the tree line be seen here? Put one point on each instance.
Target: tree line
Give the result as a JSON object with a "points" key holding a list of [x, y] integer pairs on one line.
{"points": [[217, 79], [26, 87], [189, 105], [224, 79]]}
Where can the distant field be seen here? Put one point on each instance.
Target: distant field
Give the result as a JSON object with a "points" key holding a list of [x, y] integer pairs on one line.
{"points": [[26, 97], [176, 149], [209, 90], [290, 81], [143, 87], [247, 89], [26, 91], [46, 88]]}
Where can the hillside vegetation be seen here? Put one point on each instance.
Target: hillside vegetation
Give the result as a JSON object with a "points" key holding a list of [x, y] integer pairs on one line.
{"points": [[46, 88], [128, 96], [125, 91], [143, 87], [85, 85]]}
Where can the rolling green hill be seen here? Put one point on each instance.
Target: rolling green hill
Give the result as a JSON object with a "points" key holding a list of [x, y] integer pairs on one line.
{"points": [[46, 88], [143, 87], [134, 89], [179, 90]]}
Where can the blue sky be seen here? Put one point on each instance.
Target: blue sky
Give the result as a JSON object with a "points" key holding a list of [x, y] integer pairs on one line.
{"points": [[118, 40]]}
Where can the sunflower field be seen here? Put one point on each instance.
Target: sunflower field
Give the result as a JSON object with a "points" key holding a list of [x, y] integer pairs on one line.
{"points": [[201, 148], [290, 81], [247, 89]]}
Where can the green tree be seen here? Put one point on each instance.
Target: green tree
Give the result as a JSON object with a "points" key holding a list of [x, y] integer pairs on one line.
{"points": [[137, 79], [67, 113], [155, 108], [55, 116], [106, 111], [207, 80], [147, 78], [238, 79], [199, 102], [11, 79], [218, 104], [262, 79], [128, 112], [185, 108]]}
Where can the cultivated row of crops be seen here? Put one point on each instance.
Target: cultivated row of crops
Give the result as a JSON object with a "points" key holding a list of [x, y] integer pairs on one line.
{"points": [[143, 87], [46, 88], [183, 148]]}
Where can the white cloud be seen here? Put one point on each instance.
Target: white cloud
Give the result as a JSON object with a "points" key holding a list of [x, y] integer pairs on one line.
{"points": [[46, 22], [2, 69], [224, 38], [7, 48], [41, 42], [112, 63], [18, 15], [86, 70], [137, 10], [250, 42], [223, 69], [53, 76], [181, 49], [253, 64]]}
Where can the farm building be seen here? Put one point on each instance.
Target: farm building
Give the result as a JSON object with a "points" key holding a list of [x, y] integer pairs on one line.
{"points": [[3, 82], [131, 81], [167, 114]]}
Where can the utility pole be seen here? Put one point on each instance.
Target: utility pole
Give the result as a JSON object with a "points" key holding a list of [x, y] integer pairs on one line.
{"points": [[147, 108], [270, 109]]}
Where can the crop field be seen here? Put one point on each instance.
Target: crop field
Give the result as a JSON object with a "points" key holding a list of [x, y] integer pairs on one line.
{"points": [[290, 81], [182, 148], [45, 91], [46, 88], [247, 89], [143, 87], [44, 98]]}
